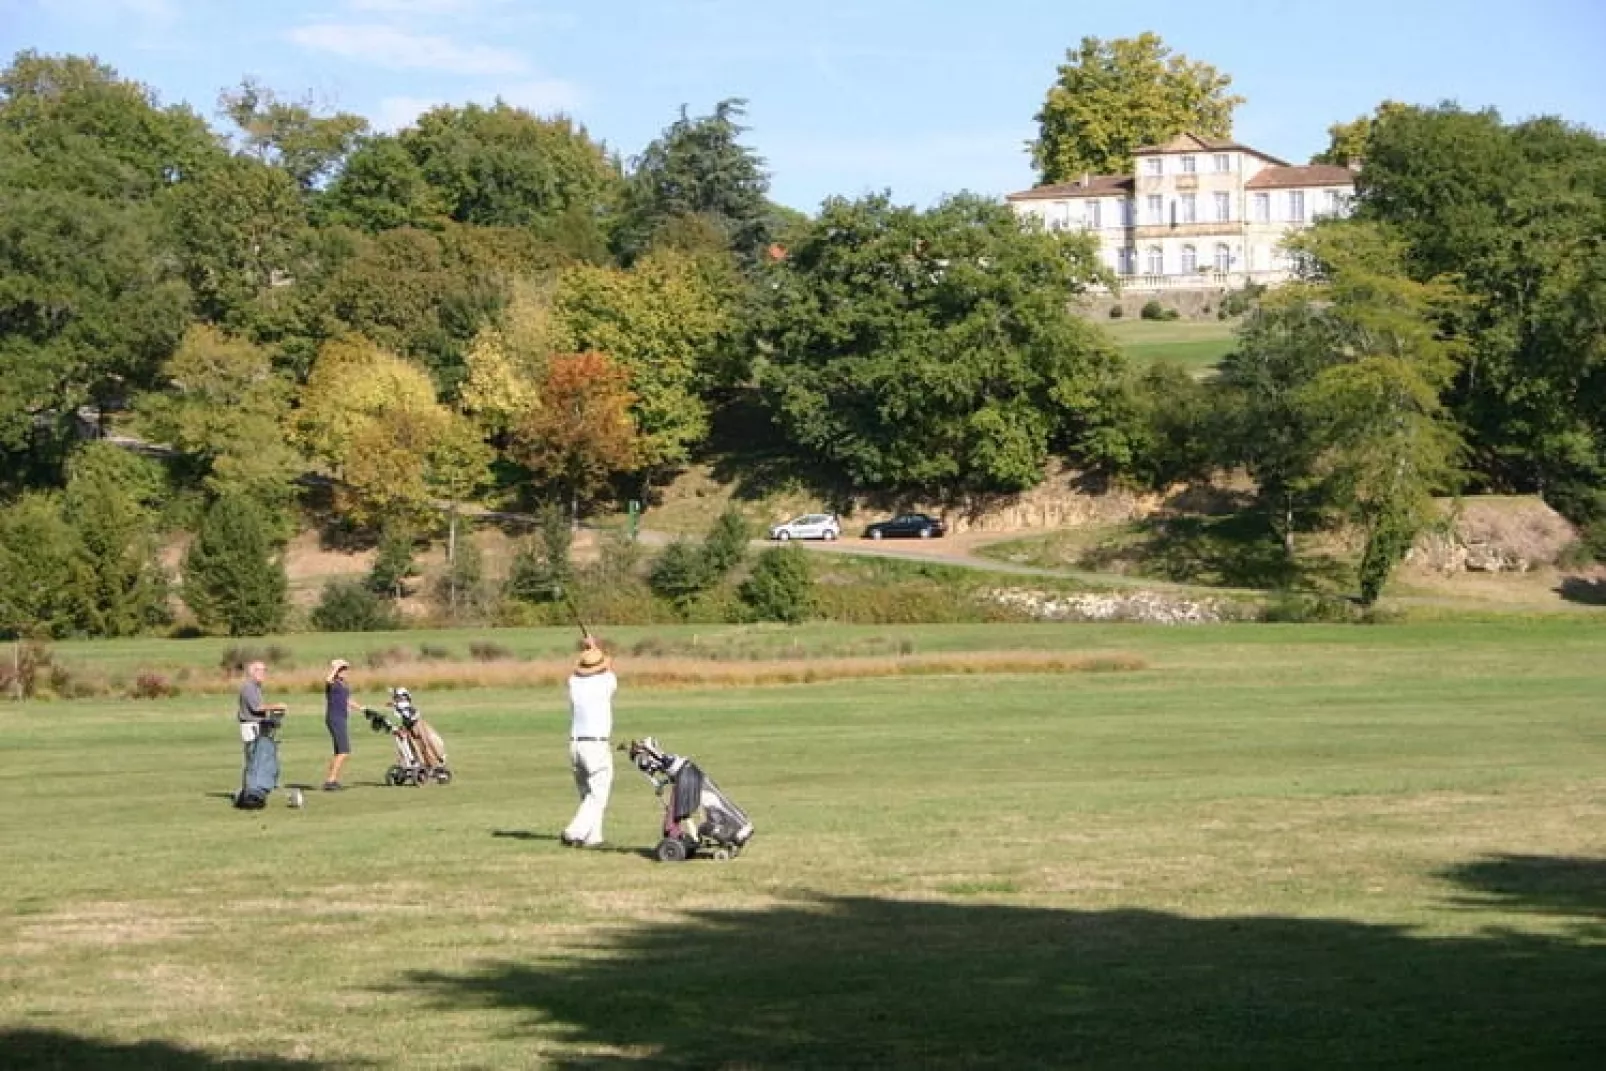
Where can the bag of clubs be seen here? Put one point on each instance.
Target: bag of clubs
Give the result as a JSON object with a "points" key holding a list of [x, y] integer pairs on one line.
{"points": [[420, 751], [261, 774], [699, 819]]}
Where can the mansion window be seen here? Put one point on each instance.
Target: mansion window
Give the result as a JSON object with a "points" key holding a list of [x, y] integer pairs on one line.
{"points": [[1095, 214], [1296, 205], [1223, 207], [1190, 260], [1223, 257], [1126, 260], [1126, 213], [1156, 208], [1156, 260], [1187, 165], [1190, 207], [1154, 165], [1262, 208], [1223, 162]]}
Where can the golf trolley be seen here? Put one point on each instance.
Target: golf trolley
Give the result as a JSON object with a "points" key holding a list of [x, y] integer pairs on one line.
{"points": [[420, 751], [699, 819]]}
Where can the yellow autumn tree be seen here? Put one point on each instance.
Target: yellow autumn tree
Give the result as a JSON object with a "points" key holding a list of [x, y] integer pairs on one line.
{"points": [[507, 360], [373, 419]]}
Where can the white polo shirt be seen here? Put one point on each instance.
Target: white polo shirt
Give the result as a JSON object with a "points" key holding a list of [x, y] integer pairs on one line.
{"points": [[591, 705]]}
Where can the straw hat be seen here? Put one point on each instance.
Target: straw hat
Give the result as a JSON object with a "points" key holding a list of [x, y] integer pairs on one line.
{"points": [[591, 662], [336, 666]]}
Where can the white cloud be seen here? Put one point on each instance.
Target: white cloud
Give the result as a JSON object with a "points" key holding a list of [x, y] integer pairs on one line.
{"points": [[541, 97], [387, 46]]}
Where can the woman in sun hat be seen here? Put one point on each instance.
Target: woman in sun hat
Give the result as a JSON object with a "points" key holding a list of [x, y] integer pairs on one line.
{"points": [[337, 705], [591, 688]]}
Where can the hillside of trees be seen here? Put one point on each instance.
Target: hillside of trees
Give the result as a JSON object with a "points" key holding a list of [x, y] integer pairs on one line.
{"points": [[311, 319]]}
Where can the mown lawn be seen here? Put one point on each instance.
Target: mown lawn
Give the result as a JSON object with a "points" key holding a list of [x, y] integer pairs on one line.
{"points": [[1276, 846], [1197, 345]]}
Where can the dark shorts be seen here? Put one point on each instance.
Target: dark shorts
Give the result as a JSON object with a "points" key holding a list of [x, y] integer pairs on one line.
{"points": [[338, 734]]}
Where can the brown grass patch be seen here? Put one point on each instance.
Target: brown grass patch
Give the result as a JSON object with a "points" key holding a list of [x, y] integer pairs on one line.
{"points": [[697, 672]]}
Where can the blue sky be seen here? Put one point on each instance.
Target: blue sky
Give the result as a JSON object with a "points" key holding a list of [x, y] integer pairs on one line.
{"points": [[922, 98]]}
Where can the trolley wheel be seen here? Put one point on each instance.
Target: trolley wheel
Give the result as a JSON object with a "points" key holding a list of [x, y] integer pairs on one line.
{"points": [[723, 854], [443, 775], [395, 775], [670, 850]]}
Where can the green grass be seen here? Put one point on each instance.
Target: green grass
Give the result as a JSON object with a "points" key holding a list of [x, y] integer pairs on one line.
{"points": [[1197, 345], [1277, 847]]}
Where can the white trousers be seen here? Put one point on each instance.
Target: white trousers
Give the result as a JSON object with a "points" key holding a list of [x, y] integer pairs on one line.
{"points": [[593, 779]]}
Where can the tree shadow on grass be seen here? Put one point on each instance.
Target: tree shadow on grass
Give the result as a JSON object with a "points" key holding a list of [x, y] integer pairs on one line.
{"points": [[1236, 551], [27, 1050], [858, 982], [1551, 885]]}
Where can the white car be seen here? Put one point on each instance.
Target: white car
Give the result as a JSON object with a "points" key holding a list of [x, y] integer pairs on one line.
{"points": [[808, 526]]}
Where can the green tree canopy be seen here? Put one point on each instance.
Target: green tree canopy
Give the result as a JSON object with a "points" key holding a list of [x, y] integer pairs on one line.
{"points": [[1111, 97], [933, 350], [1346, 142], [288, 134], [1516, 213], [503, 167]]}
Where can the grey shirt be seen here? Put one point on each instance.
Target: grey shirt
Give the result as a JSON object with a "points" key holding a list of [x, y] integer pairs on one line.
{"points": [[250, 701]]}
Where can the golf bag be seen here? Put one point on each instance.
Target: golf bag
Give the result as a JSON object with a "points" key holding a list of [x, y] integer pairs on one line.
{"points": [[261, 775], [420, 751], [698, 817]]}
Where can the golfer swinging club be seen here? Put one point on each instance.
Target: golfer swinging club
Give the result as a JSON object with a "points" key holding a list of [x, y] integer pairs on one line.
{"points": [[591, 688]]}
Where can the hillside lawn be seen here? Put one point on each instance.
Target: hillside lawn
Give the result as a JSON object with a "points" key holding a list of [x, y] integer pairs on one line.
{"points": [[1276, 846], [1197, 345]]}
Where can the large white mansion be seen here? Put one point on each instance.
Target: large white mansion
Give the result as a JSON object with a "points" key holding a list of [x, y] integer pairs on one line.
{"points": [[1199, 212]]}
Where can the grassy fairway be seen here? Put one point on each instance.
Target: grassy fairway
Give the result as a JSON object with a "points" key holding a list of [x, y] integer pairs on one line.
{"points": [[1277, 846], [1197, 345]]}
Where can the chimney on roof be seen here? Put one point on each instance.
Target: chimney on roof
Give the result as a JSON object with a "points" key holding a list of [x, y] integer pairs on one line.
{"points": [[1087, 179]]}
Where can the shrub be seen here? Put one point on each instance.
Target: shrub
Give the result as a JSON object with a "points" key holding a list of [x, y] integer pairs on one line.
{"points": [[485, 651], [460, 590], [349, 606], [1288, 607], [1152, 310], [781, 587], [1240, 301], [22, 673], [150, 685], [680, 573], [434, 652], [236, 657], [381, 657], [1171, 314], [1116, 312]]}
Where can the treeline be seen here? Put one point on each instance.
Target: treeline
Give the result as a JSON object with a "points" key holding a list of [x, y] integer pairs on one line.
{"points": [[493, 306]]}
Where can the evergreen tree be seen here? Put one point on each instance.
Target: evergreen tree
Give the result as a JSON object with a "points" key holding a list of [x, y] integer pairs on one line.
{"points": [[233, 575], [394, 562], [121, 588], [781, 587], [725, 546]]}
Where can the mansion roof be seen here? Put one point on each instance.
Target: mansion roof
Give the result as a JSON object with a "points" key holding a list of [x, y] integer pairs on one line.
{"points": [[1187, 142], [1277, 178], [1086, 186]]}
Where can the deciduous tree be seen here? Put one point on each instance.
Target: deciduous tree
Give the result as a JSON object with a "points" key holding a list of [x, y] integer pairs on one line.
{"points": [[1111, 97], [582, 432], [934, 350]]}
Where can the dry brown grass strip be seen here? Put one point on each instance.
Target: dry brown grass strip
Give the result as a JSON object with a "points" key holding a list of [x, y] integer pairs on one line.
{"points": [[698, 672]]}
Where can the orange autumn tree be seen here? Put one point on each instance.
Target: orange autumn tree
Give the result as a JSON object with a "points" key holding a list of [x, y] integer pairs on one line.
{"points": [[581, 432]]}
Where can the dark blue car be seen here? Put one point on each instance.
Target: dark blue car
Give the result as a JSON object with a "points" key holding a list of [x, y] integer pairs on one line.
{"points": [[907, 526]]}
